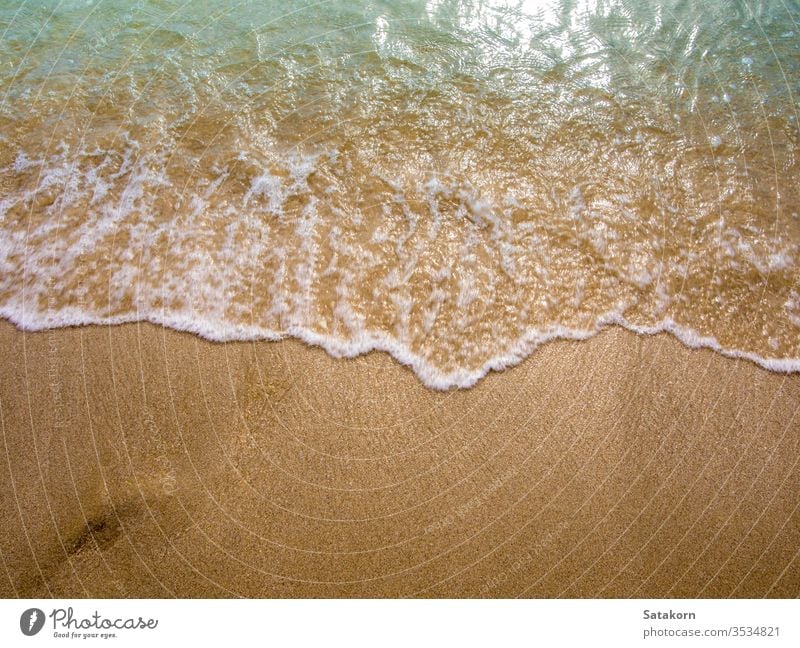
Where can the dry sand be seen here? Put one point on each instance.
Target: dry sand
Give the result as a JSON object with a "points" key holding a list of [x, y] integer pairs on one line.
{"points": [[138, 461]]}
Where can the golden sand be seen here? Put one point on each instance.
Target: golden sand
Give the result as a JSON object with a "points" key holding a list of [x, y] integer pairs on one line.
{"points": [[143, 462]]}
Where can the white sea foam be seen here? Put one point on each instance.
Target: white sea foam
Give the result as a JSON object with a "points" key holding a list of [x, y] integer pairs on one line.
{"points": [[366, 341], [205, 275]]}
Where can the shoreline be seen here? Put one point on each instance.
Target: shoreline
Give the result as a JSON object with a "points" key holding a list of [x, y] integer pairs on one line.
{"points": [[429, 375], [142, 461]]}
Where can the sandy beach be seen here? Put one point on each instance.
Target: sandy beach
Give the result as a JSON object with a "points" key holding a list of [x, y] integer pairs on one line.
{"points": [[144, 462]]}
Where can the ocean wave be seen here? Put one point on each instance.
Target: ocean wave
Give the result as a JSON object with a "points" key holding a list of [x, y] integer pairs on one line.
{"points": [[454, 185]]}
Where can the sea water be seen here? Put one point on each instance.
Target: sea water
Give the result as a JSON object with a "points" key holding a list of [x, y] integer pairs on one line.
{"points": [[451, 181]]}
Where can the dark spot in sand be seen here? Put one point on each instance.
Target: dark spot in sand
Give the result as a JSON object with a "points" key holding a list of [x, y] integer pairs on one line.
{"points": [[98, 532]]}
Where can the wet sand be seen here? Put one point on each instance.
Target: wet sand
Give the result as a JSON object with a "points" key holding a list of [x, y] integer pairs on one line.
{"points": [[144, 462]]}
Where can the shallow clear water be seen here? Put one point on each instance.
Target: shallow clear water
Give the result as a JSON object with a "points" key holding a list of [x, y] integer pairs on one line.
{"points": [[453, 182]]}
